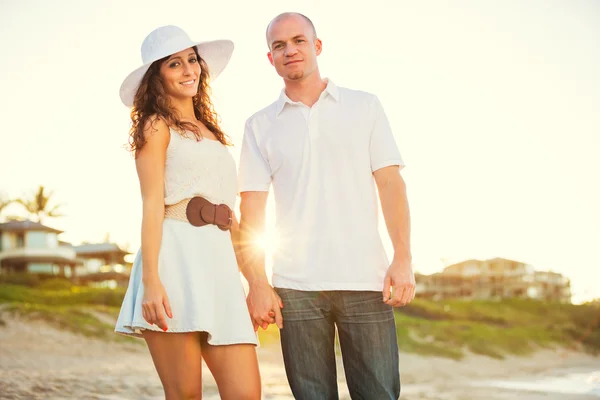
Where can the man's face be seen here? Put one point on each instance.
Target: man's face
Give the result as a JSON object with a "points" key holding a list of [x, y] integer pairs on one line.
{"points": [[294, 48]]}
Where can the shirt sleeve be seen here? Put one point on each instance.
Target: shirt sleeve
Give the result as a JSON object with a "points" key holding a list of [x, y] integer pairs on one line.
{"points": [[383, 149], [254, 173]]}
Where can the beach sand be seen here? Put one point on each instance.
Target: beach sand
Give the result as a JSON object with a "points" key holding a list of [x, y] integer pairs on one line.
{"points": [[40, 362]]}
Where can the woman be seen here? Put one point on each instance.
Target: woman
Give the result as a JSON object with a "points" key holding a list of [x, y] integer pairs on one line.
{"points": [[185, 297]]}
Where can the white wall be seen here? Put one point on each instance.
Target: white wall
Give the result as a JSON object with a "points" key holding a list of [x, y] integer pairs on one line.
{"points": [[41, 268], [92, 265], [9, 240]]}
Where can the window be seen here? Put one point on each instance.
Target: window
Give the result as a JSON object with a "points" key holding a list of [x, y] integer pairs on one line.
{"points": [[36, 240], [41, 268], [20, 239], [52, 240], [93, 265]]}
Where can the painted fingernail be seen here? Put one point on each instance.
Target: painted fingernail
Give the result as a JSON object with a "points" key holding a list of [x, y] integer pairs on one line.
{"points": [[165, 329]]}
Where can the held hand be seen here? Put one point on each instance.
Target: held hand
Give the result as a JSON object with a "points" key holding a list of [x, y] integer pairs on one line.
{"points": [[264, 305], [155, 304], [400, 277]]}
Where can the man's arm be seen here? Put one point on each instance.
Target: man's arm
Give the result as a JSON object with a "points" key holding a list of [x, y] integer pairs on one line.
{"points": [[394, 204], [264, 304], [234, 232]]}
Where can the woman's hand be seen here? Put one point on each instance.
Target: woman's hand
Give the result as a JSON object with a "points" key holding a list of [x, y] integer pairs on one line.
{"points": [[155, 304]]}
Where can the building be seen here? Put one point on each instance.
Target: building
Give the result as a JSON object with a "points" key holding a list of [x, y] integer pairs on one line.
{"points": [[494, 279], [104, 264], [551, 285], [30, 247]]}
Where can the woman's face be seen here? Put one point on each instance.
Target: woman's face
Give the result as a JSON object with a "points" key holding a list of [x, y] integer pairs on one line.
{"points": [[181, 74]]}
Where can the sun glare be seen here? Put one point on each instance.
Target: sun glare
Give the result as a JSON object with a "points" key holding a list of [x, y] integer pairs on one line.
{"points": [[268, 242]]}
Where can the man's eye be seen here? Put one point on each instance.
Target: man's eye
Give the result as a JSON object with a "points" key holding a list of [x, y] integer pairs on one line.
{"points": [[300, 40]]}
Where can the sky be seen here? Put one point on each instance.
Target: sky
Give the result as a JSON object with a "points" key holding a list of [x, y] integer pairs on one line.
{"points": [[495, 107]]}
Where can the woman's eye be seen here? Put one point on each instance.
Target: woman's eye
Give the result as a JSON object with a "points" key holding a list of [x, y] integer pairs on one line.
{"points": [[193, 60], [173, 65]]}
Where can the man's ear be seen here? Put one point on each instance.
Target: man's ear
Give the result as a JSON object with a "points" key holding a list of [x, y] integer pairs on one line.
{"points": [[270, 57], [318, 46]]}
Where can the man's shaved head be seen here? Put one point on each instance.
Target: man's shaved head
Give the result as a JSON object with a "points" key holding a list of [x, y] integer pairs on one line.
{"points": [[293, 46], [288, 15]]}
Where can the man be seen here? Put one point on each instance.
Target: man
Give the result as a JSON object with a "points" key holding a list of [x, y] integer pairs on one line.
{"points": [[324, 149]]}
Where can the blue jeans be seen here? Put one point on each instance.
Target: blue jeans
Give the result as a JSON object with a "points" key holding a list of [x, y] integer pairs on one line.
{"points": [[367, 335]]}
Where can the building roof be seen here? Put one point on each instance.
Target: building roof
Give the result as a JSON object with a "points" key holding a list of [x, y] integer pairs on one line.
{"points": [[548, 273], [472, 260], [505, 259], [104, 276], [461, 263], [24, 226], [99, 248], [54, 259]]}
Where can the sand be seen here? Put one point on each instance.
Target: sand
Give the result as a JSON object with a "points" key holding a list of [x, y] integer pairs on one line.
{"points": [[38, 361]]}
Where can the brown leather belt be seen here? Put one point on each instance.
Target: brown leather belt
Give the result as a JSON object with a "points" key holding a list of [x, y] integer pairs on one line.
{"points": [[199, 212]]}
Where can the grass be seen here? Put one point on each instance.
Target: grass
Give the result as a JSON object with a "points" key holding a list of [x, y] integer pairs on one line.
{"points": [[75, 319], [444, 329], [76, 295], [496, 328], [77, 309], [269, 336], [80, 310]]}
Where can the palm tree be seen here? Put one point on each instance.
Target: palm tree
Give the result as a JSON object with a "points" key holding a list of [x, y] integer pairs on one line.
{"points": [[3, 203], [38, 206]]}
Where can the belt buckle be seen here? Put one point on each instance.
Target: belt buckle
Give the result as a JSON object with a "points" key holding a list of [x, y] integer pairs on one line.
{"points": [[200, 212], [222, 214]]}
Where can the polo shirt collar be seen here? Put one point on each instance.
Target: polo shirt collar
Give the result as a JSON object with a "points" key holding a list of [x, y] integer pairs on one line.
{"points": [[331, 89]]}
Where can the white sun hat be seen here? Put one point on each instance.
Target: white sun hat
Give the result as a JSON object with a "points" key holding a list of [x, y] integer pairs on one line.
{"points": [[167, 40]]}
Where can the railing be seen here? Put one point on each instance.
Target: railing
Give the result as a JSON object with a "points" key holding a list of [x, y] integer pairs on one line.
{"points": [[25, 252]]}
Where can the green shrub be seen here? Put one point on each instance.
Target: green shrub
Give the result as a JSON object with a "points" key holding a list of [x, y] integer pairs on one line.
{"points": [[29, 280], [76, 295], [55, 284]]}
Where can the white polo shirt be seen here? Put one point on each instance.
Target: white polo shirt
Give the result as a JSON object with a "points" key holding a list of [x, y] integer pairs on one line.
{"points": [[320, 161]]}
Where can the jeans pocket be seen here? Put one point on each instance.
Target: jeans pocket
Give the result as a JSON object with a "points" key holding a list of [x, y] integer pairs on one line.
{"points": [[363, 307], [300, 305]]}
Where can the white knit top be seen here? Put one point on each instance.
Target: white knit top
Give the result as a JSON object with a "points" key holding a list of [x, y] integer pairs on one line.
{"points": [[199, 168]]}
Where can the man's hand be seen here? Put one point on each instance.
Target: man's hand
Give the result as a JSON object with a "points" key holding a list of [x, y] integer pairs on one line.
{"points": [[400, 277], [264, 305]]}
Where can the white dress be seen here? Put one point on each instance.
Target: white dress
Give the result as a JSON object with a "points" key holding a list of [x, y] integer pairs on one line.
{"points": [[196, 265]]}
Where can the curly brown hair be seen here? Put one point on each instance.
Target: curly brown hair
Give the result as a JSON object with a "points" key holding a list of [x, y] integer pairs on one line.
{"points": [[150, 101]]}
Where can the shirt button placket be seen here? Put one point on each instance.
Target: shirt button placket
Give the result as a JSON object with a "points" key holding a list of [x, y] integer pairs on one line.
{"points": [[313, 122]]}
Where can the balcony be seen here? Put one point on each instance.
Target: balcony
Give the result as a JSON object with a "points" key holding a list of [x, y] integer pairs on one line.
{"points": [[27, 254]]}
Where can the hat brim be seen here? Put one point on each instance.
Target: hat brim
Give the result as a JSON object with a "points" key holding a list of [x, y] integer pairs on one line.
{"points": [[216, 54]]}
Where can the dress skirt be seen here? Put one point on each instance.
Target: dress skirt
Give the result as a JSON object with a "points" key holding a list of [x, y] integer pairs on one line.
{"points": [[198, 268]]}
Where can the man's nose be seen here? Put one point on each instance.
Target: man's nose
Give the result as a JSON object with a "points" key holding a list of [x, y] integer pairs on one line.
{"points": [[291, 51]]}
